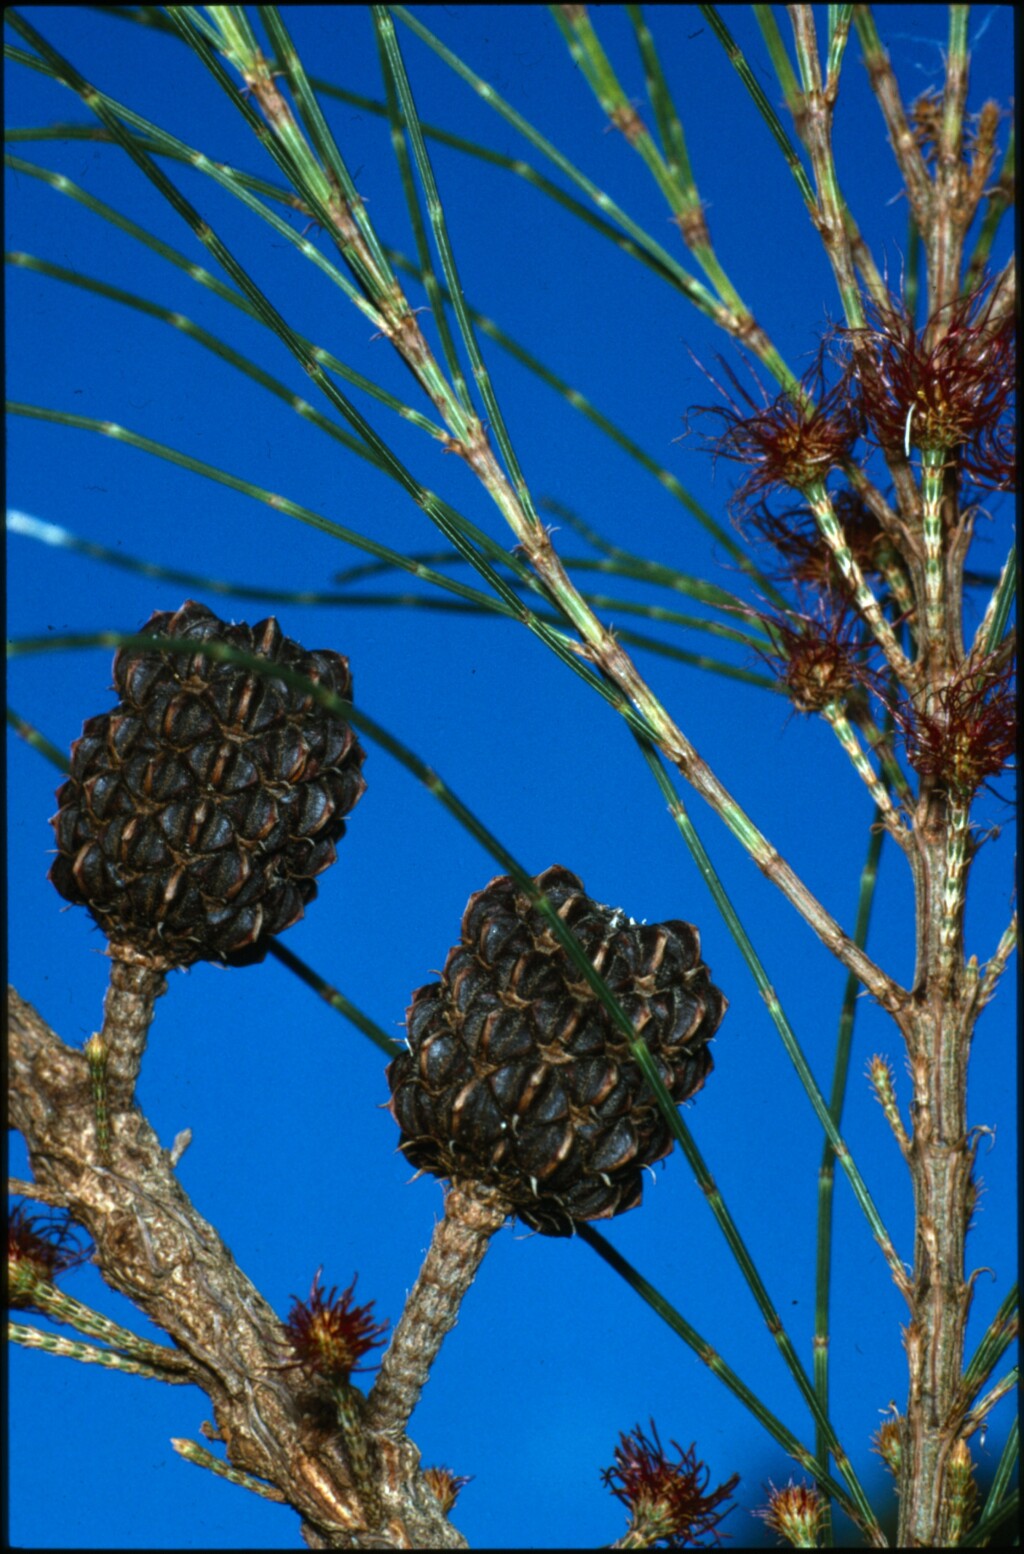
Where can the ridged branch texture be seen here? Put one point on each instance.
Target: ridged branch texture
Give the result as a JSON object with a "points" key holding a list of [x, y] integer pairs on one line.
{"points": [[154, 1248], [127, 1016], [471, 1216]]}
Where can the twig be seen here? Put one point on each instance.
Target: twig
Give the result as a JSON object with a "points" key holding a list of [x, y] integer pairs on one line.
{"points": [[87, 1354], [40, 1194], [192, 1452], [997, 965], [471, 1216]]}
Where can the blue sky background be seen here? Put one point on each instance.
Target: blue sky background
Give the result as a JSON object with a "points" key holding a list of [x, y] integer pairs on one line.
{"points": [[293, 1157]]}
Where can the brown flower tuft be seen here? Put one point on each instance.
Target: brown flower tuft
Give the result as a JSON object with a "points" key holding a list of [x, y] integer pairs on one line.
{"points": [[328, 1335], [947, 385], [793, 440], [970, 735], [817, 658], [926, 122], [980, 128], [666, 1500], [804, 556], [39, 1248]]}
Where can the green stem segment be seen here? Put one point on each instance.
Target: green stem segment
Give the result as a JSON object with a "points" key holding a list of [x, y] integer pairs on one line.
{"points": [[997, 965], [840, 724], [816, 107], [952, 921], [86, 1354], [60, 1307], [193, 1452], [832, 533], [933, 464], [882, 1082]]}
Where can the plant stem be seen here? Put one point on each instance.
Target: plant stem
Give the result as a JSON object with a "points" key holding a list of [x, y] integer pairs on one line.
{"points": [[351, 1407], [941, 1157], [87, 1354], [827, 1169], [815, 124], [115, 1052], [933, 466], [61, 1307], [193, 1452], [471, 1216], [127, 1015], [958, 848], [888, 816], [997, 965]]}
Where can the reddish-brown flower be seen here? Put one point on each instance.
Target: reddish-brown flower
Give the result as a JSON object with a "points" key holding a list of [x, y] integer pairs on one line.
{"points": [[969, 736], [949, 384], [39, 1248], [817, 658], [329, 1335], [446, 1485], [804, 555], [667, 1501], [793, 440]]}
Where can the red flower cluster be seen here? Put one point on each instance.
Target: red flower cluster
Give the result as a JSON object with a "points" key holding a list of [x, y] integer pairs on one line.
{"points": [[329, 1335], [667, 1503], [992, 459], [948, 385], [817, 658], [803, 553], [970, 735], [793, 440]]}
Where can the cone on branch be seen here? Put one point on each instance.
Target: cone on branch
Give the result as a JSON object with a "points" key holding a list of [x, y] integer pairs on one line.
{"points": [[519, 1087], [519, 1079], [201, 809]]}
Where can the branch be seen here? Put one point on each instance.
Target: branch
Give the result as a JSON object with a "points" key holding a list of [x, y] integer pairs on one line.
{"points": [[154, 1248], [471, 1216]]}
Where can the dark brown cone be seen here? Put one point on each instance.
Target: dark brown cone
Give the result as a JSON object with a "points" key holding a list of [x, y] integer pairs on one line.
{"points": [[200, 810], [517, 1078]]}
